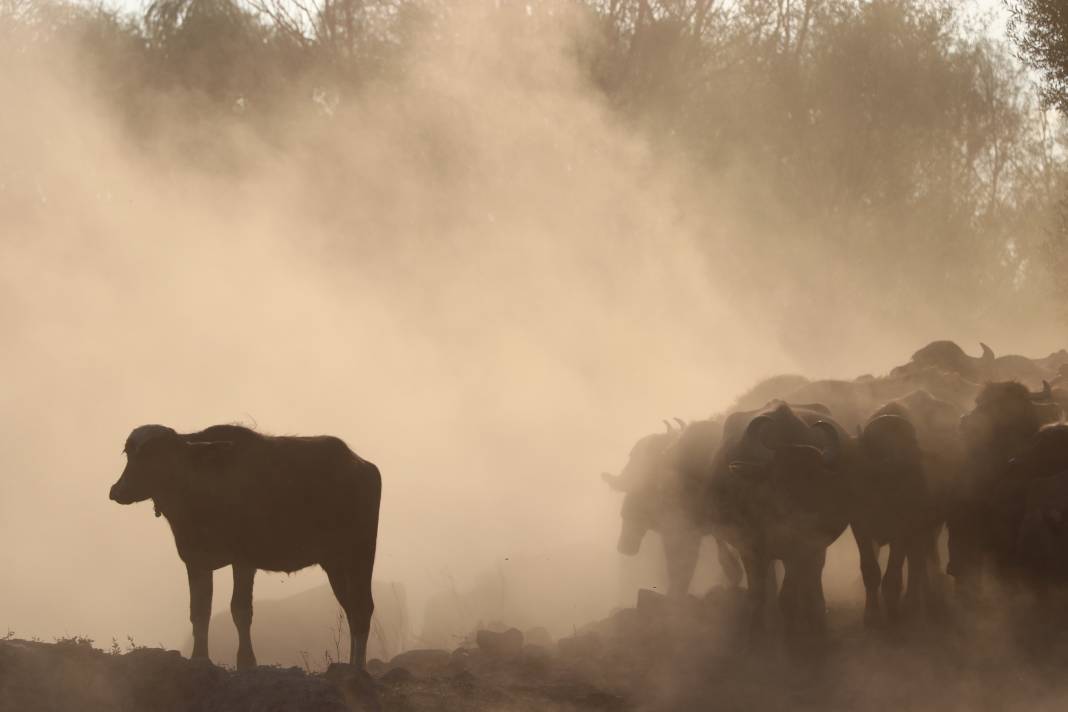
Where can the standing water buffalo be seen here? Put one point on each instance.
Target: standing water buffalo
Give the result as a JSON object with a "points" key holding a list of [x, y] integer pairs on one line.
{"points": [[235, 497], [987, 505], [1041, 547], [656, 499], [775, 491], [905, 458]]}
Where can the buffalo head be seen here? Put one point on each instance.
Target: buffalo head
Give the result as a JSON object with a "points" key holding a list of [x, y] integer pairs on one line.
{"points": [[1007, 414], [156, 457], [948, 357], [1045, 455], [890, 438], [808, 453], [641, 480]]}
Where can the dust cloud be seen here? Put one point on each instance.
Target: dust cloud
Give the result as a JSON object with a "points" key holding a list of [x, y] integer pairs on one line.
{"points": [[476, 274]]}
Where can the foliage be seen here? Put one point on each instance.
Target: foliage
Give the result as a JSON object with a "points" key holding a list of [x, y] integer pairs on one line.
{"points": [[879, 131], [1040, 30]]}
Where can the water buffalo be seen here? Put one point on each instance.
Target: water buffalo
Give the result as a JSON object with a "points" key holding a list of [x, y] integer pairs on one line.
{"points": [[987, 504], [1056, 361], [774, 492], [656, 499], [235, 497], [949, 357], [1041, 546], [900, 479]]}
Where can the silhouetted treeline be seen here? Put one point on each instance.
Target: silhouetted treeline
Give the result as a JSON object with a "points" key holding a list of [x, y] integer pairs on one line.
{"points": [[889, 137], [1040, 29]]}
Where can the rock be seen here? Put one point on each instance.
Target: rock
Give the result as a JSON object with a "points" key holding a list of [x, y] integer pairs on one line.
{"points": [[397, 676], [650, 601], [536, 652], [460, 660], [535, 662], [506, 644], [338, 672], [463, 680], [588, 645], [66, 677], [361, 694], [538, 636], [422, 662]]}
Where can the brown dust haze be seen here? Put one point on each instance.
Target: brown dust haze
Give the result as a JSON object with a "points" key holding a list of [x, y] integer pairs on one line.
{"points": [[477, 274]]}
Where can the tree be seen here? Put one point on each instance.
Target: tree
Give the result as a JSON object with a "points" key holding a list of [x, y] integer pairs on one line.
{"points": [[1040, 30]]}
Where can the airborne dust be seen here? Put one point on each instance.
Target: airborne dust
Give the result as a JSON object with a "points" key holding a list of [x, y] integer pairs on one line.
{"points": [[480, 272]]}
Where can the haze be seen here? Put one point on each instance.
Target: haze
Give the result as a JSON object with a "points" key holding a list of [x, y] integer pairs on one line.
{"points": [[480, 271]]}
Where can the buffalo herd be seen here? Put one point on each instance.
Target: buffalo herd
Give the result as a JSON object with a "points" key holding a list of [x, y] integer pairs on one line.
{"points": [[973, 445], [976, 446]]}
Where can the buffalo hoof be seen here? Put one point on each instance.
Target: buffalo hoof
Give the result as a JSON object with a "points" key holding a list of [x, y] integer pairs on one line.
{"points": [[360, 692], [246, 662]]}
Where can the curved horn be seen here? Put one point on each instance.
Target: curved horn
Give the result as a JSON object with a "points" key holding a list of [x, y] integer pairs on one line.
{"points": [[681, 422], [668, 426], [833, 451], [988, 353]]}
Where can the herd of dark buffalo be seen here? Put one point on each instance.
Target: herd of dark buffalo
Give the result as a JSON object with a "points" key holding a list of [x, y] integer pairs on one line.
{"points": [[977, 446]]}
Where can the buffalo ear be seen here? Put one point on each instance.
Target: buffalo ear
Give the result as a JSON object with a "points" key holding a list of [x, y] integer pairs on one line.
{"points": [[210, 453]]}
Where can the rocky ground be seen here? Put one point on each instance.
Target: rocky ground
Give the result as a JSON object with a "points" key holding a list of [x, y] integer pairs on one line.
{"points": [[685, 656]]}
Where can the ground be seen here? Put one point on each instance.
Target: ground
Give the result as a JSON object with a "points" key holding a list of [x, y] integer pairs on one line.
{"points": [[693, 655]]}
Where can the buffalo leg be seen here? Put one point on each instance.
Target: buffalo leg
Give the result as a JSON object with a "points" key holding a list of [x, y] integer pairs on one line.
{"points": [[892, 580], [339, 582], [790, 596], [965, 552], [732, 568], [935, 602], [352, 586], [200, 583], [681, 547], [756, 572], [872, 575], [362, 608], [816, 608], [241, 610], [918, 594]]}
